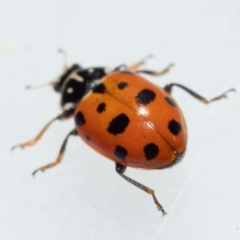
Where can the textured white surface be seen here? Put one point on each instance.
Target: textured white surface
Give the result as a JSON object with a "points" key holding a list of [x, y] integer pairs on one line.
{"points": [[84, 198]]}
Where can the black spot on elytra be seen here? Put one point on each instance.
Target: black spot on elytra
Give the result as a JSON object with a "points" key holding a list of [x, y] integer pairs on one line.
{"points": [[170, 101], [174, 127], [88, 138], [101, 107], [120, 152], [151, 150], [79, 119], [99, 88], [118, 124], [122, 85], [145, 96]]}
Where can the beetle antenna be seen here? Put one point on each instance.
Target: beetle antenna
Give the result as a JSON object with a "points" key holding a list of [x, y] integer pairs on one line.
{"points": [[40, 86], [65, 65]]}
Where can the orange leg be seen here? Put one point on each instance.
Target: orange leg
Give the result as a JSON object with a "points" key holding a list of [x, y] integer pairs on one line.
{"points": [[137, 65], [134, 67], [60, 155], [155, 73], [120, 169], [62, 116], [51, 83], [168, 88]]}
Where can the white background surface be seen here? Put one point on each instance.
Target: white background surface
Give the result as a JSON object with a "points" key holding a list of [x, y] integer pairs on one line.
{"points": [[83, 198]]}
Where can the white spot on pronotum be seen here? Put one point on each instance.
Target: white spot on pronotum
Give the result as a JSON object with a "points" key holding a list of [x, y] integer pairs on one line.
{"points": [[95, 83], [107, 70], [70, 90], [90, 70], [68, 106], [76, 77]]}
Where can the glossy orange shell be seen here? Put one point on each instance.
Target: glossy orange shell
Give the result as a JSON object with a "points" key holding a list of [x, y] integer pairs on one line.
{"points": [[148, 123]]}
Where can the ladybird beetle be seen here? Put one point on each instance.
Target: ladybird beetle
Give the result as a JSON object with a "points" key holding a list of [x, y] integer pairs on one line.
{"points": [[124, 117]]}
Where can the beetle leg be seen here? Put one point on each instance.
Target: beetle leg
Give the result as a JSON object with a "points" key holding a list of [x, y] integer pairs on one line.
{"points": [[120, 169], [155, 73], [137, 65], [169, 87], [60, 155], [134, 67], [62, 116], [51, 83]]}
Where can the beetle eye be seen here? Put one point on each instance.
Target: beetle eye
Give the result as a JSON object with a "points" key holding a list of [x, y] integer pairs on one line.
{"points": [[57, 86]]}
